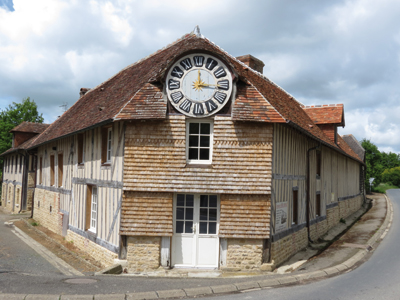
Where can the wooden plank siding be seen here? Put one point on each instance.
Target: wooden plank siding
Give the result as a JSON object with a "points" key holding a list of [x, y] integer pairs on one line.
{"points": [[245, 216], [155, 158], [340, 175], [76, 177], [147, 214]]}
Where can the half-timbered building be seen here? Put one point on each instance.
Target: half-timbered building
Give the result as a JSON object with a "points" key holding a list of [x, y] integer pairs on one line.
{"points": [[193, 158]]}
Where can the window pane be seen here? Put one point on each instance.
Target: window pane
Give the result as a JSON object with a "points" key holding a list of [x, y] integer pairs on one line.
{"points": [[204, 154], [213, 201], [204, 141], [205, 128], [188, 227], [180, 200], [189, 214], [203, 228], [203, 200], [212, 228], [203, 214], [189, 200], [193, 154], [179, 226], [212, 214], [194, 141], [194, 128], [179, 213]]}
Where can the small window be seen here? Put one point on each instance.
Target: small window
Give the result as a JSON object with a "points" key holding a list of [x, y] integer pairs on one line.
{"points": [[318, 166], [20, 163], [91, 209], [318, 205], [106, 141], [295, 210], [199, 142], [40, 170], [51, 170], [60, 169], [81, 149]]}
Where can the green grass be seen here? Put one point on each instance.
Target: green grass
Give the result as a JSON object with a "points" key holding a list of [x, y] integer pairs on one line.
{"points": [[382, 187]]}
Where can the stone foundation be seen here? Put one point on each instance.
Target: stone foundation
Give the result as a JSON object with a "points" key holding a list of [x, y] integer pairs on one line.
{"points": [[143, 253], [286, 247], [47, 210], [244, 254], [101, 254]]}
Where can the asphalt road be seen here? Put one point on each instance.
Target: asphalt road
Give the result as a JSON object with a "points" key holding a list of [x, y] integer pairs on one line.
{"points": [[377, 278]]}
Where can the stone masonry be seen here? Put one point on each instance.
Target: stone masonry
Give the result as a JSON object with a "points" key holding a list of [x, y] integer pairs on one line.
{"points": [[99, 253], [244, 254], [47, 210], [143, 253]]}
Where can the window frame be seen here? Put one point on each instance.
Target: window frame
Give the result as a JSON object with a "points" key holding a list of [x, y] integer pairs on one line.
{"points": [[106, 145], [81, 149], [52, 171], [211, 141], [92, 215], [60, 168]]}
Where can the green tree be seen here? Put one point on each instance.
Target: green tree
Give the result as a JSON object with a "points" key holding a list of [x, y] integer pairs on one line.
{"points": [[373, 161], [392, 176], [13, 115]]}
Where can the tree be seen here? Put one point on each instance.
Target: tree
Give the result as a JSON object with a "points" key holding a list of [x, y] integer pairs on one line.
{"points": [[392, 176], [373, 161], [13, 115]]}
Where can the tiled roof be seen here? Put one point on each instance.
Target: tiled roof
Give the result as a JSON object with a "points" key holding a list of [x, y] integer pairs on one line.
{"points": [[24, 146], [355, 145], [346, 148], [127, 95], [147, 103], [250, 105], [30, 127], [326, 114]]}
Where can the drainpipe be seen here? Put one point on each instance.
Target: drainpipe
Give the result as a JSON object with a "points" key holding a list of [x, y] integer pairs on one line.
{"points": [[308, 190]]}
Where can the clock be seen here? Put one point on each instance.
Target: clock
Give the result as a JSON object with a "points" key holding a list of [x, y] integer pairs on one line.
{"points": [[199, 85]]}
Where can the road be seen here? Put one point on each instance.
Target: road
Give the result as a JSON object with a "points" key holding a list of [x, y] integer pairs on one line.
{"points": [[377, 278]]}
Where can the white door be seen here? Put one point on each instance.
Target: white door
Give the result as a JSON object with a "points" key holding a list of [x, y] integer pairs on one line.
{"points": [[195, 241]]}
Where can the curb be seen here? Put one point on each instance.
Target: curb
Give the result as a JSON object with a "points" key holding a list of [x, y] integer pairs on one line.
{"points": [[231, 288]]}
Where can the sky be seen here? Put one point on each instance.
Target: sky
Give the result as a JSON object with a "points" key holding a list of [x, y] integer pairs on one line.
{"points": [[321, 52]]}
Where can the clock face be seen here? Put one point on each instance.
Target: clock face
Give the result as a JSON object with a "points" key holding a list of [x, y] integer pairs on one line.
{"points": [[199, 85]]}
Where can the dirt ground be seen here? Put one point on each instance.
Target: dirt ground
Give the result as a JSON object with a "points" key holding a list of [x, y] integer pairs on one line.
{"points": [[78, 259]]}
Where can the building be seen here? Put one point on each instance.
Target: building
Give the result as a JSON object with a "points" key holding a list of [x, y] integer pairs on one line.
{"points": [[192, 158]]}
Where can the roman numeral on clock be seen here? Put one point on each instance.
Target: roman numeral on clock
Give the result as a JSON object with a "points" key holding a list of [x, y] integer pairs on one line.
{"points": [[211, 106], [220, 97], [220, 72], [198, 109], [211, 63], [198, 61], [177, 72], [173, 84], [176, 97], [185, 106], [223, 84], [186, 63]]}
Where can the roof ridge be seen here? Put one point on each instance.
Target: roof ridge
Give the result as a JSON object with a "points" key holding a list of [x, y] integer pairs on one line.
{"points": [[323, 105], [143, 59], [254, 71]]}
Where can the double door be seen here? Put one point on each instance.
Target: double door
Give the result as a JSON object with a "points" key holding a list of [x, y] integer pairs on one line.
{"points": [[195, 240]]}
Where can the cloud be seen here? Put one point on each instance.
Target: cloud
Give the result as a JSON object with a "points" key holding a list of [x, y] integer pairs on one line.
{"points": [[321, 52]]}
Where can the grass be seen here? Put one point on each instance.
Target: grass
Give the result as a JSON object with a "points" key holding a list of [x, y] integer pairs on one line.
{"points": [[382, 187]]}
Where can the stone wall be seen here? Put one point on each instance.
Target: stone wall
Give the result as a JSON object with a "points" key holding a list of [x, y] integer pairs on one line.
{"points": [[47, 210], [143, 253], [101, 254], [244, 254], [286, 247], [289, 245]]}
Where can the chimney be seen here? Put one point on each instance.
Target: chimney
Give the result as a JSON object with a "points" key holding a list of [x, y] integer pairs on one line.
{"points": [[252, 62], [83, 91]]}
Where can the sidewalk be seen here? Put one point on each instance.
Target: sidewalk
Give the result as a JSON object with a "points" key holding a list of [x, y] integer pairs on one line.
{"points": [[343, 254]]}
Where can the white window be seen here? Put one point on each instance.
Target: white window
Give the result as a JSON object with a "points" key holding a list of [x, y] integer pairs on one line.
{"points": [[199, 139], [93, 210]]}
